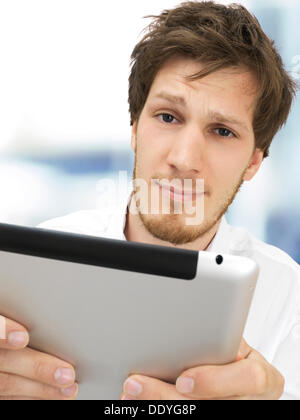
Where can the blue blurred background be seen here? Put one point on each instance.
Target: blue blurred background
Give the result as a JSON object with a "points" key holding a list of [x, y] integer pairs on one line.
{"points": [[65, 120]]}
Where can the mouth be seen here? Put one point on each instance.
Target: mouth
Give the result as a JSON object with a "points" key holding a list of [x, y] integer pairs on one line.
{"points": [[179, 195]]}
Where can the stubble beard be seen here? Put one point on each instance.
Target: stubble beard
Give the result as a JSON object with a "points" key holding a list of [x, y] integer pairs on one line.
{"points": [[172, 227]]}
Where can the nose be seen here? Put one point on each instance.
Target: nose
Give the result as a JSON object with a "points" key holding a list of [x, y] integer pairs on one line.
{"points": [[187, 151]]}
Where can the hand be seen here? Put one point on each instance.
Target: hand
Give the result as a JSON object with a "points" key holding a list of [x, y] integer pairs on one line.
{"points": [[26, 374], [250, 377]]}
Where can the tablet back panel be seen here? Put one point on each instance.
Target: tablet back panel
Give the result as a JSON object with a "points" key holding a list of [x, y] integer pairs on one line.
{"points": [[87, 300]]}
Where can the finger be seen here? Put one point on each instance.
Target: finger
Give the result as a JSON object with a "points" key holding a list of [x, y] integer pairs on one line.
{"points": [[37, 366], [16, 386], [244, 398], [138, 387], [13, 336], [19, 399], [246, 377]]}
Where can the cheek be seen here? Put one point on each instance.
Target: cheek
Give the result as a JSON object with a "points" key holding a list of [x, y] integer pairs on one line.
{"points": [[155, 136], [228, 168], [146, 158], [152, 149]]}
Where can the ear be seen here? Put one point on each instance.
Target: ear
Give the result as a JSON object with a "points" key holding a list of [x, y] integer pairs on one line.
{"points": [[133, 136], [254, 165]]}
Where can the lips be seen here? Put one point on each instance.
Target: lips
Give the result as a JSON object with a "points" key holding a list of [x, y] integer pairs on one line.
{"points": [[178, 195], [179, 192]]}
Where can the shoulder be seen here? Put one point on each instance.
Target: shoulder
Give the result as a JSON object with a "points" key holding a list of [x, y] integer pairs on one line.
{"points": [[244, 243], [86, 222], [277, 268], [106, 220], [273, 254], [275, 307]]}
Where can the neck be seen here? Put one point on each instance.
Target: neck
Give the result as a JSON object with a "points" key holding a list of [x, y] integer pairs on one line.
{"points": [[135, 231]]}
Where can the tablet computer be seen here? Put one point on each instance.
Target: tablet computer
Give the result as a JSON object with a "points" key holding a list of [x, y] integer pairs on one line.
{"points": [[112, 308]]}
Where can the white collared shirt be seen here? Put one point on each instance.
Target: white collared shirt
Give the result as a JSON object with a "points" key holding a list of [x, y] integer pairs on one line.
{"points": [[273, 325]]}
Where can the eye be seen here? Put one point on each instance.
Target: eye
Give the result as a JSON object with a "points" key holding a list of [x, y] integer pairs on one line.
{"points": [[224, 132], [167, 118]]}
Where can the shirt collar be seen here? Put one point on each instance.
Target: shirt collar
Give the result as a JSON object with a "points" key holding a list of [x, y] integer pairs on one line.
{"points": [[221, 242]]}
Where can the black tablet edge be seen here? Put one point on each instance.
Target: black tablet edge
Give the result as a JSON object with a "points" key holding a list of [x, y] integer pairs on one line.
{"points": [[97, 251]]}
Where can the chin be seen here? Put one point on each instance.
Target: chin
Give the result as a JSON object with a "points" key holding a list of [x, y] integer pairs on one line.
{"points": [[172, 228]]}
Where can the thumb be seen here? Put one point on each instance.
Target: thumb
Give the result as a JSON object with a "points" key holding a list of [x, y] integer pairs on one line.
{"points": [[244, 351]]}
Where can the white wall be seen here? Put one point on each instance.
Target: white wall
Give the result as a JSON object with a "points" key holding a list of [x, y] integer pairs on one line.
{"points": [[64, 72]]}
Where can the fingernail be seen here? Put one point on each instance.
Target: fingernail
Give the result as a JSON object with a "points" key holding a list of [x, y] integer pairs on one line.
{"points": [[132, 387], [126, 397], [64, 376], [70, 392], [18, 339], [185, 385]]}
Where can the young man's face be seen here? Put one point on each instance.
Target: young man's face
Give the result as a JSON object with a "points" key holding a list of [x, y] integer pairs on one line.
{"points": [[192, 141]]}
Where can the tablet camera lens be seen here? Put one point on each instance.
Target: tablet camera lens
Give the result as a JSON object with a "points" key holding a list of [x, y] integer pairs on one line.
{"points": [[219, 259]]}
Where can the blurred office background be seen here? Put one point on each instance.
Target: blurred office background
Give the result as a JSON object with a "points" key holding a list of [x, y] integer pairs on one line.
{"points": [[64, 120]]}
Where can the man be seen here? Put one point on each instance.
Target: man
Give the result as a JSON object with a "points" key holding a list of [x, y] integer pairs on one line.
{"points": [[217, 127]]}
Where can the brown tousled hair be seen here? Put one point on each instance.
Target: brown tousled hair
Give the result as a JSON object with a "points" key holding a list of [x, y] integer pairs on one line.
{"points": [[217, 36]]}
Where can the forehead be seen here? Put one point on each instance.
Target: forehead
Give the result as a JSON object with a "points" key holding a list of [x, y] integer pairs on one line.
{"points": [[231, 84]]}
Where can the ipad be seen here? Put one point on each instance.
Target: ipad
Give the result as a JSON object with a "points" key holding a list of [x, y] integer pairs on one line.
{"points": [[113, 308]]}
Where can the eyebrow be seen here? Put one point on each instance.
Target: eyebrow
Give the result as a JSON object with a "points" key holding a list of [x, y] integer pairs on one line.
{"points": [[214, 115]]}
